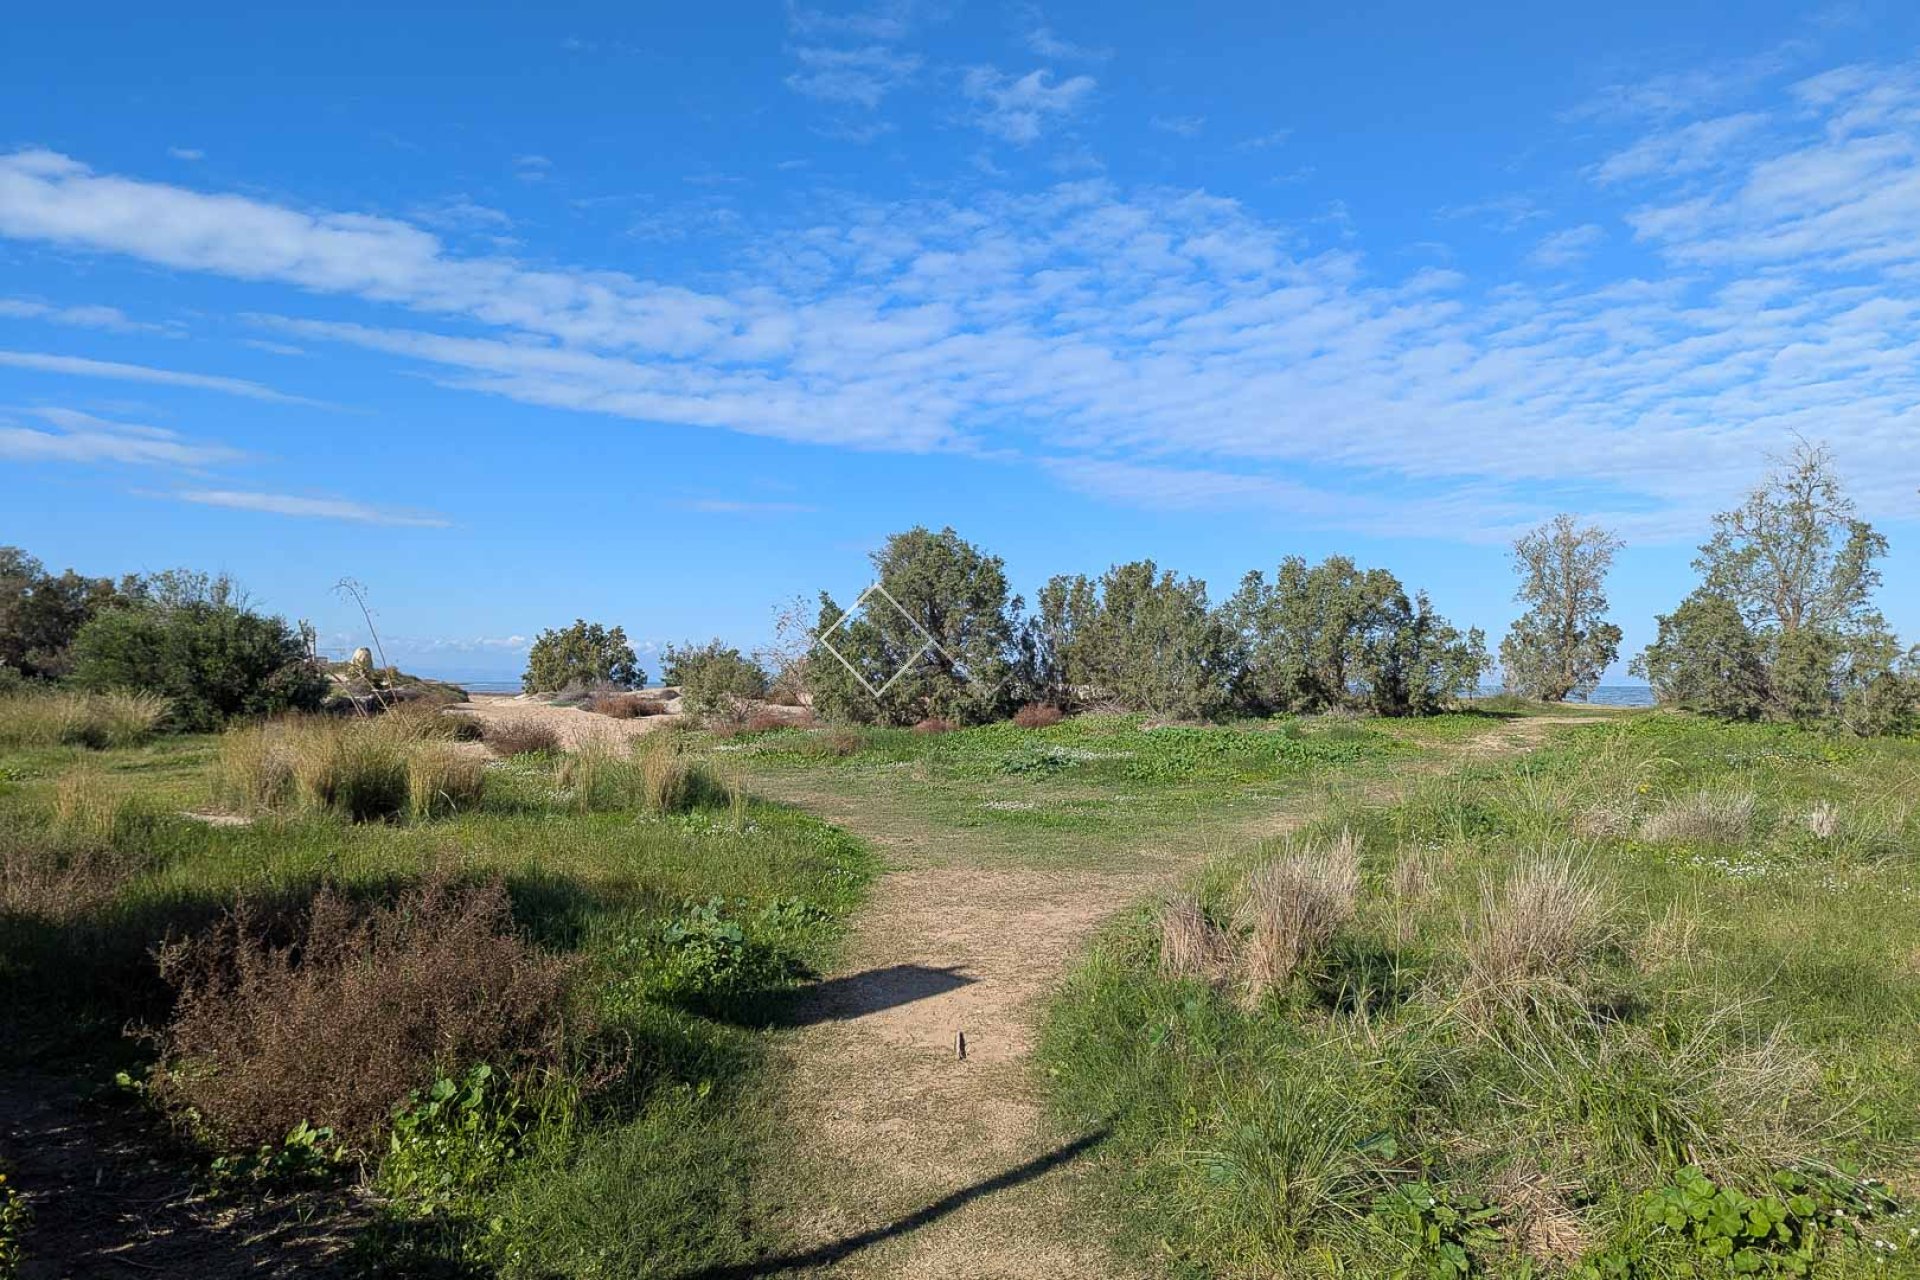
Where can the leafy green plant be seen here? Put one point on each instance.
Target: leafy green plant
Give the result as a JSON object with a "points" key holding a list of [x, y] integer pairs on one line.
{"points": [[1726, 1232], [1443, 1230], [310, 1155], [450, 1140], [585, 653], [16, 1215], [714, 678]]}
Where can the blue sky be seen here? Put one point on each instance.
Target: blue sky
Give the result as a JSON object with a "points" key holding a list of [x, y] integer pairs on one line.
{"points": [[663, 314]]}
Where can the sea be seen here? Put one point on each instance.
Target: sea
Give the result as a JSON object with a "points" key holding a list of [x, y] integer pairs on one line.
{"points": [[1606, 695]]}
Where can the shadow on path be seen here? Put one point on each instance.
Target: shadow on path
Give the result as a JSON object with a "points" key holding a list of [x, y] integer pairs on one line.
{"points": [[828, 1254], [857, 994]]}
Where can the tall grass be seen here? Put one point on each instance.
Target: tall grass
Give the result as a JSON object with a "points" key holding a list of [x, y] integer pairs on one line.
{"points": [[367, 770], [62, 717]]}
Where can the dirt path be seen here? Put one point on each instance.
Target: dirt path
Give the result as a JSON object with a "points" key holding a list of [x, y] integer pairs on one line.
{"points": [[933, 1165]]}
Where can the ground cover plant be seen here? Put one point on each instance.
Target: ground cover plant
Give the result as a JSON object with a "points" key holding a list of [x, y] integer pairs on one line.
{"points": [[1639, 1004], [528, 1021]]}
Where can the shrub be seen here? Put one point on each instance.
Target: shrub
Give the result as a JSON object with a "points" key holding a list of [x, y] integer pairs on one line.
{"points": [[715, 679], [335, 1025], [63, 717], [1038, 715], [764, 721], [41, 613], [1295, 905], [1138, 638], [933, 724], [519, 737], [1191, 944], [442, 780], [1537, 927], [585, 653], [214, 659], [625, 706], [1703, 818]]}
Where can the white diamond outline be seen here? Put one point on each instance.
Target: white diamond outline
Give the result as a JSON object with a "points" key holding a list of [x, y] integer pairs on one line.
{"points": [[820, 639]]}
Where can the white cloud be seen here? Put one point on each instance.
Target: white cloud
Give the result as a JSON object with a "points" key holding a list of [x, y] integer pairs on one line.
{"points": [[1184, 333], [84, 438], [1565, 248], [1185, 126], [858, 77], [1043, 41], [79, 366], [1687, 149], [284, 504], [85, 317], [1019, 110], [186, 153]]}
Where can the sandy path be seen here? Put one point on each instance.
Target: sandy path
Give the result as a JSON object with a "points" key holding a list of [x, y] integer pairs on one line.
{"points": [[929, 1165]]}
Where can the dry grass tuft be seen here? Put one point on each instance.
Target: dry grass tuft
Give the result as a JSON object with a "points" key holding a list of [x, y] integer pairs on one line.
{"points": [[520, 737], [1703, 818], [334, 1019], [1410, 886], [1824, 821], [255, 772], [1038, 715], [625, 706], [354, 767], [1295, 906], [63, 717], [1543, 1221], [443, 780], [667, 778], [1191, 944], [1537, 927]]}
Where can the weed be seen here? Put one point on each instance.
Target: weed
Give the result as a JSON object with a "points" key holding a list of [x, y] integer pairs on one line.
{"points": [[1444, 1233], [1038, 715], [520, 737]]}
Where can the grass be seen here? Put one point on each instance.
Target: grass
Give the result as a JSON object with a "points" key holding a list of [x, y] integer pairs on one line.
{"points": [[661, 1111], [1530, 1019], [61, 717]]}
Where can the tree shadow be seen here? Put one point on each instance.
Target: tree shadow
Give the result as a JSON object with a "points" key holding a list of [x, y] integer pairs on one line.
{"points": [[827, 1255], [858, 994]]}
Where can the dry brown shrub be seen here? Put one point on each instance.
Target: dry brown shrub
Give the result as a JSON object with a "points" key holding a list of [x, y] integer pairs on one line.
{"points": [[839, 741], [933, 724], [626, 706], [1038, 715], [333, 1020], [1538, 927], [1704, 818], [1295, 905], [520, 737], [1191, 944], [54, 883], [764, 719]]}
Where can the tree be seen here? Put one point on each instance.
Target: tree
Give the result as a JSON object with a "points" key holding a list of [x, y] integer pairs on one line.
{"points": [[1792, 557], [1563, 644], [1335, 636], [1795, 567], [1139, 637], [1706, 658], [214, 659], [713, 678], [947, 591], [40, 614], [586, 654]]}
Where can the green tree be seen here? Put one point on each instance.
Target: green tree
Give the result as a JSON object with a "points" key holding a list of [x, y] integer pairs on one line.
{"points": [[40, 614], [214, 658], [714, 678], [1706, 658], [586, 654], [1333, 635], [948, 591], [1139, 637], [1563, 644]]}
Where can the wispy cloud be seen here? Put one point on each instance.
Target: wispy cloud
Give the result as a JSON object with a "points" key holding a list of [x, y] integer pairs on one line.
{"points": [[734, 507], [189, 154], [1044, 41], [80, 367], [85, 317], [284, 504], [1686, 149], [1565, 248], [1185, 126], [1019, 109], [83, 438], [861, 77], [1182, 332]]}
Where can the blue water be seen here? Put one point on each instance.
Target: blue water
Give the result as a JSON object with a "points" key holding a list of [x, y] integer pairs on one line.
{"points": [[1607, 695]]}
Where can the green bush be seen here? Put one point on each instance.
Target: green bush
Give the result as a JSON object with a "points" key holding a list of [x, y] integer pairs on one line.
{"points": [[714, 679], [215, 660], [585, 654], [1138, 638], [40, 613]]}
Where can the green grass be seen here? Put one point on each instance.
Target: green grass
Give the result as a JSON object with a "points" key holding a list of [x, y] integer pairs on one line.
{"points": [[1752, 1009], [665, 1125]]}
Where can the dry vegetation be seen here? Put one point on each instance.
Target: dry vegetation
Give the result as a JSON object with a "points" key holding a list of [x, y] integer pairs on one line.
{"points": [[59, 717]]}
